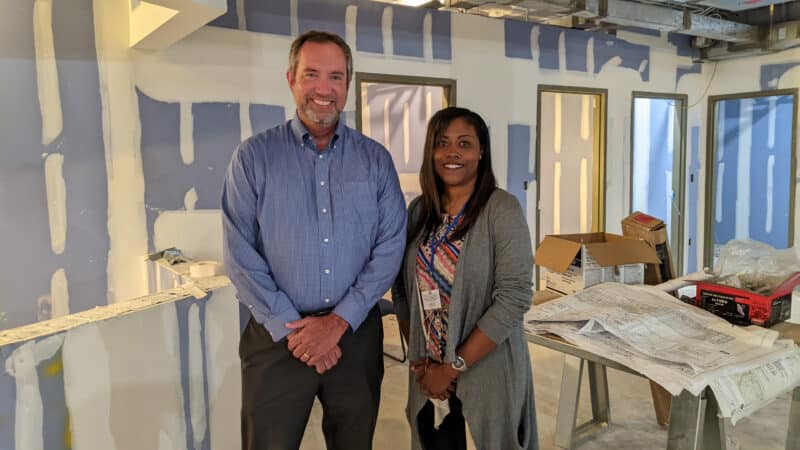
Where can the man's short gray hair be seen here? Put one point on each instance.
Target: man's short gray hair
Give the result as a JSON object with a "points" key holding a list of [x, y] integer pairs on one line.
{"points": [[320, 37]]}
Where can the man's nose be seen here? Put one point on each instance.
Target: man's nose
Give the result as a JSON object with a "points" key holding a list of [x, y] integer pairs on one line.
{"points": [[323, 87]]}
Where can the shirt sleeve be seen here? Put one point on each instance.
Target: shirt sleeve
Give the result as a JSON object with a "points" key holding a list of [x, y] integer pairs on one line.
{"points": [[379, 272], [247, 268]]}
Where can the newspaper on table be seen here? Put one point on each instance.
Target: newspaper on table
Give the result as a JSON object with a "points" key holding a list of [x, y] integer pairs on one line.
{"points": [[678, 346]]}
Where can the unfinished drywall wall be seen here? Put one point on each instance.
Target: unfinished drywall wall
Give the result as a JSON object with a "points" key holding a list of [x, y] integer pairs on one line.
{"points": [[52, 164]]}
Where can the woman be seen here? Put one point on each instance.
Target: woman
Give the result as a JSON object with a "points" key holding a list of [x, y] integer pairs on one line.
{"points": [[462, 292]]}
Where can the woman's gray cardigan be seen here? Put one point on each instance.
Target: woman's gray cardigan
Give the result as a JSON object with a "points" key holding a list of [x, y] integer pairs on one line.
{"points": [[492, 290]]}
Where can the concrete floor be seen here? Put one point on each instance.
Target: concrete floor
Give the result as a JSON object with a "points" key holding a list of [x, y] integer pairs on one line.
{"points": [[633, 419]]}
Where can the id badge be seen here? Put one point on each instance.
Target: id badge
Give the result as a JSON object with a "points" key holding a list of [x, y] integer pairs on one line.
{"points": [[431, 300]]}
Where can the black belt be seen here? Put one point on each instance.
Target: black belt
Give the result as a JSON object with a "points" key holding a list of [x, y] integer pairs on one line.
{"points": [[319, 313]]}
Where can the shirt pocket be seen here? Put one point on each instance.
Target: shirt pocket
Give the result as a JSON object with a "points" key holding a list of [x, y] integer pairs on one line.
{"points": [[360, 202]]}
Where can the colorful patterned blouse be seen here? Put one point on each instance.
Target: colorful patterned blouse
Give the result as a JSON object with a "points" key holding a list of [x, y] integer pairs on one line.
{"points": [[441, 278]]}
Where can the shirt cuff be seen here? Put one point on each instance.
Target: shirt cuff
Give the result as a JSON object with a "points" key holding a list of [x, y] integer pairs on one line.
{"points": [[276, 324], [351, 312]]}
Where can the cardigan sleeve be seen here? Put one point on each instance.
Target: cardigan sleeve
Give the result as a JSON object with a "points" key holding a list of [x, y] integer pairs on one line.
{"points": [[513, 271]]}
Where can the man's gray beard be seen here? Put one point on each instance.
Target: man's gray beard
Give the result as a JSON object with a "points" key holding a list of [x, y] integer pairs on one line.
{"points": [[327, 121]]}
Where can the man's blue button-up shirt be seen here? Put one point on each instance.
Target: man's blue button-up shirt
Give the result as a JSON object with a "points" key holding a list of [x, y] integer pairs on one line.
{"points": [[308, 229]]}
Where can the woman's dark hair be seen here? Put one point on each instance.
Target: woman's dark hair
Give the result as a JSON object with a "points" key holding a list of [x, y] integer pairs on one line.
{"points": [[432, 186]]}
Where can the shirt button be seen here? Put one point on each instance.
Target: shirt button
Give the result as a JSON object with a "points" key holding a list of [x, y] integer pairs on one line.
{"points": [[320, 156], [324, 210], [327, 271], [250, 306], [322, 183], [327, 300], [325, 240]]}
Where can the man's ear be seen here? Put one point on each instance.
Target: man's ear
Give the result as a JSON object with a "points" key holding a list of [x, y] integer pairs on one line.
{"points": [[290, 77]]}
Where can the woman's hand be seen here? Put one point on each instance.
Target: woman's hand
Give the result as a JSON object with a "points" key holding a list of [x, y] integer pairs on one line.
{"points": [[418, 366], [438, 381]]}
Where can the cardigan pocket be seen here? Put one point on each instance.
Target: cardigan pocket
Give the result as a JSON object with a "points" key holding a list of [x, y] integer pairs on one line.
{"points": [[524, 431]]}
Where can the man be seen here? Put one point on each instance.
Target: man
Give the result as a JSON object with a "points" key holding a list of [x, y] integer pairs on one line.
{"points": [[314, 223]]}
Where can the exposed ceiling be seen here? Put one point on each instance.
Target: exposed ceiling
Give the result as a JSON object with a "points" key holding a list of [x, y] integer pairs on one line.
{"points": [[721, 29]]}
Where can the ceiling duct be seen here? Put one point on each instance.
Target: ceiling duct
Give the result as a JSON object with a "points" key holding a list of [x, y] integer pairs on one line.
{"points": [[554, 12], [628, 13], [633, 14], [720, 29], [769, 15], [738, 5], [526, 4], [616, 12], [724, 50], [715, 34], [782, 36]]}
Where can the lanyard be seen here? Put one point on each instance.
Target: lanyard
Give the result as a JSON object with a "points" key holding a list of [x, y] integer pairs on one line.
{"points": [[435, 243]]}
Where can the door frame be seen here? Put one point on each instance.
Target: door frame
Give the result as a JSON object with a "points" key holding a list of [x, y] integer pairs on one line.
{"points": [[599, 166], [711, 128], [450, 85], [678, 158]]}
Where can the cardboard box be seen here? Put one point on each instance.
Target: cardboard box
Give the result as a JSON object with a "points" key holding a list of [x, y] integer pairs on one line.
{"points": [[573, 262], [653, 231], [544, 296], [743, 307]]}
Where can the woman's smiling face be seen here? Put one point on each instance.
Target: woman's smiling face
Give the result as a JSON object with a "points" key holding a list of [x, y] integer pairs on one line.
{"points": [[456, 154]]}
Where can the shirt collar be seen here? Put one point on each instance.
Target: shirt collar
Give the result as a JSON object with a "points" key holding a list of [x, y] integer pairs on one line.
{"points": [[302, 134]]}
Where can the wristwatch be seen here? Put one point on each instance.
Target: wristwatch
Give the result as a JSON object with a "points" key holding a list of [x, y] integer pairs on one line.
{"points": [[459, 364]]}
